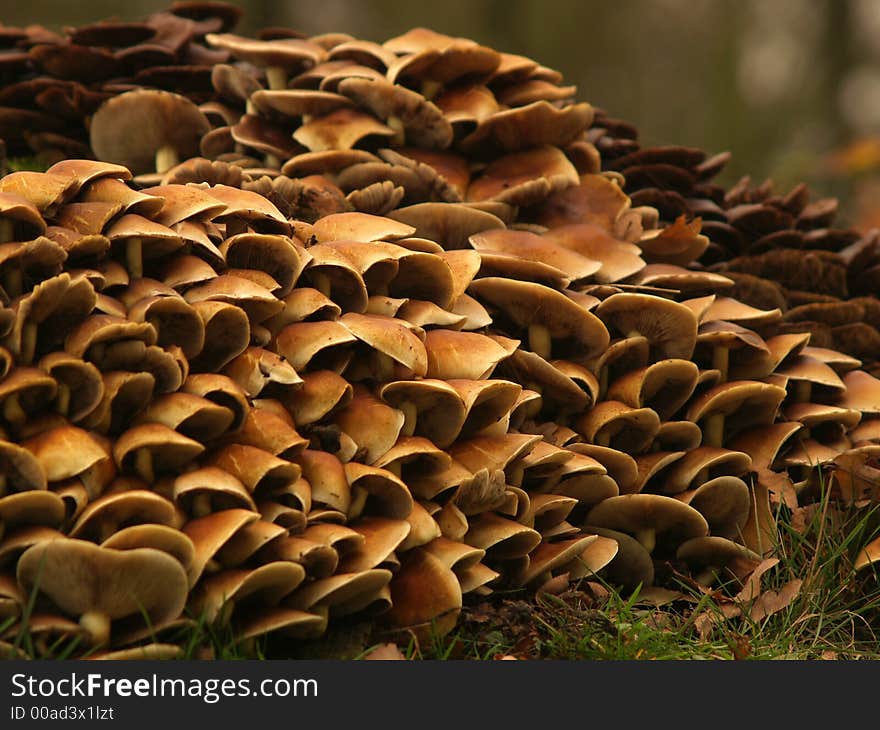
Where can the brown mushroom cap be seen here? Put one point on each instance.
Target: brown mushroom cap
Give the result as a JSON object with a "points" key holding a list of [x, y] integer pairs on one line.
{"points": [[670, 327], [663, 386], [535, 306], [163, 120], [724, 502], [100, 585], [65, 452], [713, 553], [650, 518]]}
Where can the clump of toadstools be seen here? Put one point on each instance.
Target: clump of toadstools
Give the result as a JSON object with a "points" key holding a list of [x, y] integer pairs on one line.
{"points": [[782, 251], [395, 337]]}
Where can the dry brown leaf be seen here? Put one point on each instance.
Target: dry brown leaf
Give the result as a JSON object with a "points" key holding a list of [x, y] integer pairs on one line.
{"points": [[829, 655], [752, 587], [771, 602], [555, 585], [386, 652], [657, 596], [780, 487], [707, 620], [799, 520]]}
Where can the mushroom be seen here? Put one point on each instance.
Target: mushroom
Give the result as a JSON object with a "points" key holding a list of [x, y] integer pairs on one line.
{"points": [[547, 315], [650, 518], [101, 585], [170, 127]]}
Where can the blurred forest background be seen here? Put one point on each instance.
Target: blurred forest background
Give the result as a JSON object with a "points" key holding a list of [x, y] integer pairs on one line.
{"points": [[790, 87]]}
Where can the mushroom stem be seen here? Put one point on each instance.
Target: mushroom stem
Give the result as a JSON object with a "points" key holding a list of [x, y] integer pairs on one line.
{"points": [[201, 505], [273, 161], [12, 410], [603, 382], [276, 77], [134, 257], [28, 342], [321, 282], [234, 226], [97, 625], [91, 480], [516, 474], [539, 340], [648, 538], [166, 158], [347, 448], [7, 230], [143, 464], [358, 502], [249, 108], [721, 360], [384, 367], [706, 577], [62, 400], [410, 417], [396, 124], [13, 280], [803, 391], [713, 433], [430, 88]]}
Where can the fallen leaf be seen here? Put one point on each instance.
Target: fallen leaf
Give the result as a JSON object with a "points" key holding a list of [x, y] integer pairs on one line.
{"points": [[598, 591], [657, 596], [771, 602], [555, 585], [752, 587], [740, 646], [386, 652], [799, 520], [829, 655], [781, 488]]}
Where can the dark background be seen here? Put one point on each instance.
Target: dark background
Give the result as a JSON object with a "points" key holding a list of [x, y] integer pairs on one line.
{"points": [[785, 85]]}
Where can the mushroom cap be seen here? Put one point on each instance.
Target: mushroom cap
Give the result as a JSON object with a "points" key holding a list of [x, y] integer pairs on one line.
{"points": [[210, 533], [673, 521], [114, 509], [631, 429], [752, 402], [389, 337], [65, 451], [704, 459], [670, 327], [724, 501], [162, 119], [423, 123], [663, 386], [287, 53], [529, 304], [531, 246], [161, 537], [449, 224], [464, 355], [81, 577], [21, 468], [618, 260], [170, 450], [713, 551]]}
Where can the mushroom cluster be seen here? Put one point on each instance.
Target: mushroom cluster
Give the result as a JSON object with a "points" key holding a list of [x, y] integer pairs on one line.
{"points": [[781, 250], [51, 83], [394, 337]]}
